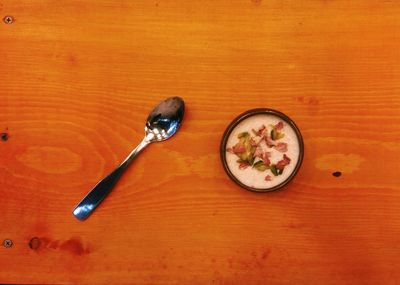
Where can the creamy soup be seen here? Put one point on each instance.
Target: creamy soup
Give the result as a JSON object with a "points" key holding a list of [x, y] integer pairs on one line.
{"points": [[262, 151]]}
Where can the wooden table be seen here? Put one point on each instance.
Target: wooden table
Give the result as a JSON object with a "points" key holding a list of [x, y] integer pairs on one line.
{"points": [[77, 80]]}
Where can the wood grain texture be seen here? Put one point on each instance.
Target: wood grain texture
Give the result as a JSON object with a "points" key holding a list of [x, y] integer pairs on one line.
{"points": [[77, 79]]}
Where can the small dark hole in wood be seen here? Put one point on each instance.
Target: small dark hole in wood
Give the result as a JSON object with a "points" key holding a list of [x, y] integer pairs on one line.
{"points": [[34, 243], [4, 137], [337, 173]]}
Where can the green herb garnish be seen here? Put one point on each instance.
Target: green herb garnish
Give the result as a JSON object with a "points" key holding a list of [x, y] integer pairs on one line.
{"points": [[274, 170], [275, 135], [247, 155], [260, 166], [243, 135]]}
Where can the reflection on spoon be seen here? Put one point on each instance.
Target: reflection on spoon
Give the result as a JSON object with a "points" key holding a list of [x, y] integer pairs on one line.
{"points": [[162, 123]]}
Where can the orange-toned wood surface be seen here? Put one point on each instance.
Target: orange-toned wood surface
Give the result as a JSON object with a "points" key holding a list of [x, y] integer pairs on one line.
{"points": [[77, 79]]}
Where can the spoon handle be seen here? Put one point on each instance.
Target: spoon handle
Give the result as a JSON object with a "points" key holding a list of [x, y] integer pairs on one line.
{"points": [[104, 186]]}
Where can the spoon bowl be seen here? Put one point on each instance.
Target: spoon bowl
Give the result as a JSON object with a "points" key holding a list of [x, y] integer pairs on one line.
{"points": [[162, 123], [165, 119]]}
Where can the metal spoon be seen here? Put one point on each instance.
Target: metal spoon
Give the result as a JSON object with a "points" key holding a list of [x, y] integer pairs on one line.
{"points": [[162, 123]]}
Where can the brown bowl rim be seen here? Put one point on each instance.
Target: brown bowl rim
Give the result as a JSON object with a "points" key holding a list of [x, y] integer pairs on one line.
{"points": [[246, 115]]}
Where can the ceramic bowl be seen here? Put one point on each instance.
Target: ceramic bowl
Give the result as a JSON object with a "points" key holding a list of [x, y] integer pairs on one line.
{"points": [[249, 114]]}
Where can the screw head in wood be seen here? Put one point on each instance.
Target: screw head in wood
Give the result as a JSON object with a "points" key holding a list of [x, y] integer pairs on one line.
{"points": [[8, 20], [7, 243]]}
